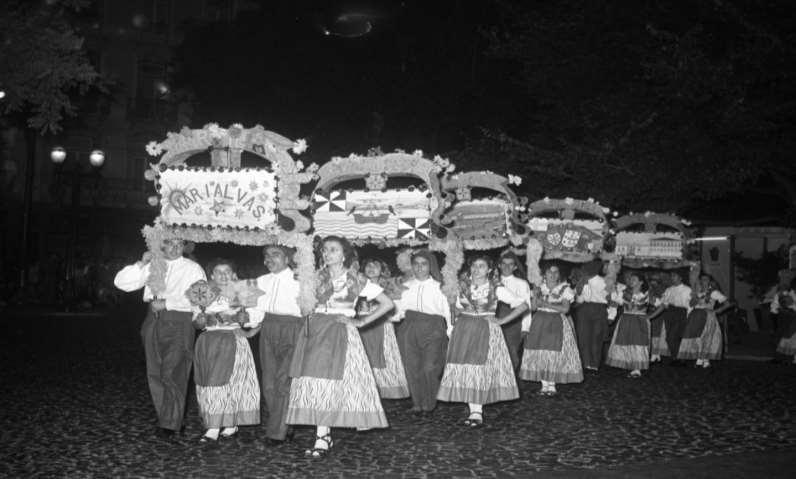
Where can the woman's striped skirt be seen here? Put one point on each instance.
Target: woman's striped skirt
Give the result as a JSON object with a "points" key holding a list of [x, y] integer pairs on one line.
{"points": [[551, 352], [333, 384], [701, 337], [478, 367], [236, 402], [630, 345]]}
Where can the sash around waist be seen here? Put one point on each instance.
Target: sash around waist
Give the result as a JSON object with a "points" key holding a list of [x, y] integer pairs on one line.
{"points": [[486, 316], [281, 317], [412, 314]]}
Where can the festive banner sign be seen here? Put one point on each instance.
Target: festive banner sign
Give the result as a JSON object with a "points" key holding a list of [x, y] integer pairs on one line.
{"points": [[235, 198], [386, 214], [569, 237]]}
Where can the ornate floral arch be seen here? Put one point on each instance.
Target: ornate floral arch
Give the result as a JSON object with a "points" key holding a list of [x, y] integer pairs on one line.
{"points": [[226, 146], [654, 225], [551, 235], [375, 170]]}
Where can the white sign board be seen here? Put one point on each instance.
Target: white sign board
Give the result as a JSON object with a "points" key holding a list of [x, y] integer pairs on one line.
{"points": [[234, 198]]}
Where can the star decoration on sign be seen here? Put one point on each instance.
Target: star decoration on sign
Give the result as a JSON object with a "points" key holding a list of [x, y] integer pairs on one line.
{"points": [[218, 207], [238, 213]]}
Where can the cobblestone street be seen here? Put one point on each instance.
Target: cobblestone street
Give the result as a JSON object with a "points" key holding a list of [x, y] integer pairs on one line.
{"points": [[75, 404]]}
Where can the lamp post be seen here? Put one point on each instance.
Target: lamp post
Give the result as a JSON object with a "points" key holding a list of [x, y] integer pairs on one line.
{"points": [[96, 158]]}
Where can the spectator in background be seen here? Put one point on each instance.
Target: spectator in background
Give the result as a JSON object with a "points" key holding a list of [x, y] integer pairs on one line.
{"points": [[784, 304]]}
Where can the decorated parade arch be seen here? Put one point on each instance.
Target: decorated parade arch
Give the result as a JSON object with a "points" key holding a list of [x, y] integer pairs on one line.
{"points": [[355, 198], [652, 240], [568, 229], [478, 222], [223, 202]]}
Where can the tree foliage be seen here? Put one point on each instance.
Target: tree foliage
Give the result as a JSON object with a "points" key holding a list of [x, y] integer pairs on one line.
{"points": [[42, 62], [648, 104]]}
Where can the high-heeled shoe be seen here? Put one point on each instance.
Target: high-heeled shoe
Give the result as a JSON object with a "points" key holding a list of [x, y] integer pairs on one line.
{"points": [[319, 452]]}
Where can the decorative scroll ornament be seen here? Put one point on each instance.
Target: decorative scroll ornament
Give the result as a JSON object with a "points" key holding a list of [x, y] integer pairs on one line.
{"points": [[376, 182]]}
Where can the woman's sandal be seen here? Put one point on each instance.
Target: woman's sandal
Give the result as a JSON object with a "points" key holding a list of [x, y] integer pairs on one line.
{"points": [[227, 435], [474, 422], [317, 452], [207, 439]]}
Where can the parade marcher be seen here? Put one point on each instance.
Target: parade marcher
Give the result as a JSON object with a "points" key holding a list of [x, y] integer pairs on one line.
{"points": [[333, 385], [379, 338], [674, 307], [167, 331], [279, 318], [511, 276], [226, 380], [551, 352], [630, 344], [702, 334], [426, 326], [478, 367], [784, 304], [591, 317], [658, 346], [403, 260]]}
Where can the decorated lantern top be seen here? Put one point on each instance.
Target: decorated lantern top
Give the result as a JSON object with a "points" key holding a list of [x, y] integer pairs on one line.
{"points": [[376, 214], [483, 223], [660, 244], [569, 229]]}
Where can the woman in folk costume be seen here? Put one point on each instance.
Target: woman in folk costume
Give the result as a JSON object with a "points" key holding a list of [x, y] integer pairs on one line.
{"points": [[226, 379], [673, 310], [478, 368], [333, 384], [658, 345], [425, 327], [591, 316], [551, 353], [702, 334], [630, 345], [379, 339], [784, 304]]}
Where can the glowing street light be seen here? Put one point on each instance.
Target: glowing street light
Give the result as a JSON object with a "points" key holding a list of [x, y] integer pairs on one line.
{"points": [[58, 155], [2, 94], [97, 158]]}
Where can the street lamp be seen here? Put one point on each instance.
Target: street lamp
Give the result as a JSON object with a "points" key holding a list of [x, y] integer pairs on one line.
{"points": [[58, 155], [96, 158]]}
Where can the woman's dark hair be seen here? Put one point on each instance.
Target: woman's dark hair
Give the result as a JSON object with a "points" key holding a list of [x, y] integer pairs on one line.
{"points": [[640, 277], [385, 269], [349, 253], [711, 281], [219, 261], [490, 264]]}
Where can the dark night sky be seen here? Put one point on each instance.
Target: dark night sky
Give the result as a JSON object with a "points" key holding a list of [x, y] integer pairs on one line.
{"points": [[418, 79], [574, 77]]}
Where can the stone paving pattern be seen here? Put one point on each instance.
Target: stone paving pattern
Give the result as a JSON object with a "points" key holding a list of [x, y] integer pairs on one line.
{"points": [[74, 403]]}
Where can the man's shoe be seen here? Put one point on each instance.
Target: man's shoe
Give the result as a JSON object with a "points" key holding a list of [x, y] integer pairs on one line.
{"points": [[164, 433]]}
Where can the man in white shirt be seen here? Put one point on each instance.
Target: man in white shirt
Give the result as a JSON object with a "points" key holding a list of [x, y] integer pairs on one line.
{"points": [[591, 317], [511, 277], [674, 308], [167, 332], [424, 334], [278, 313]]}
